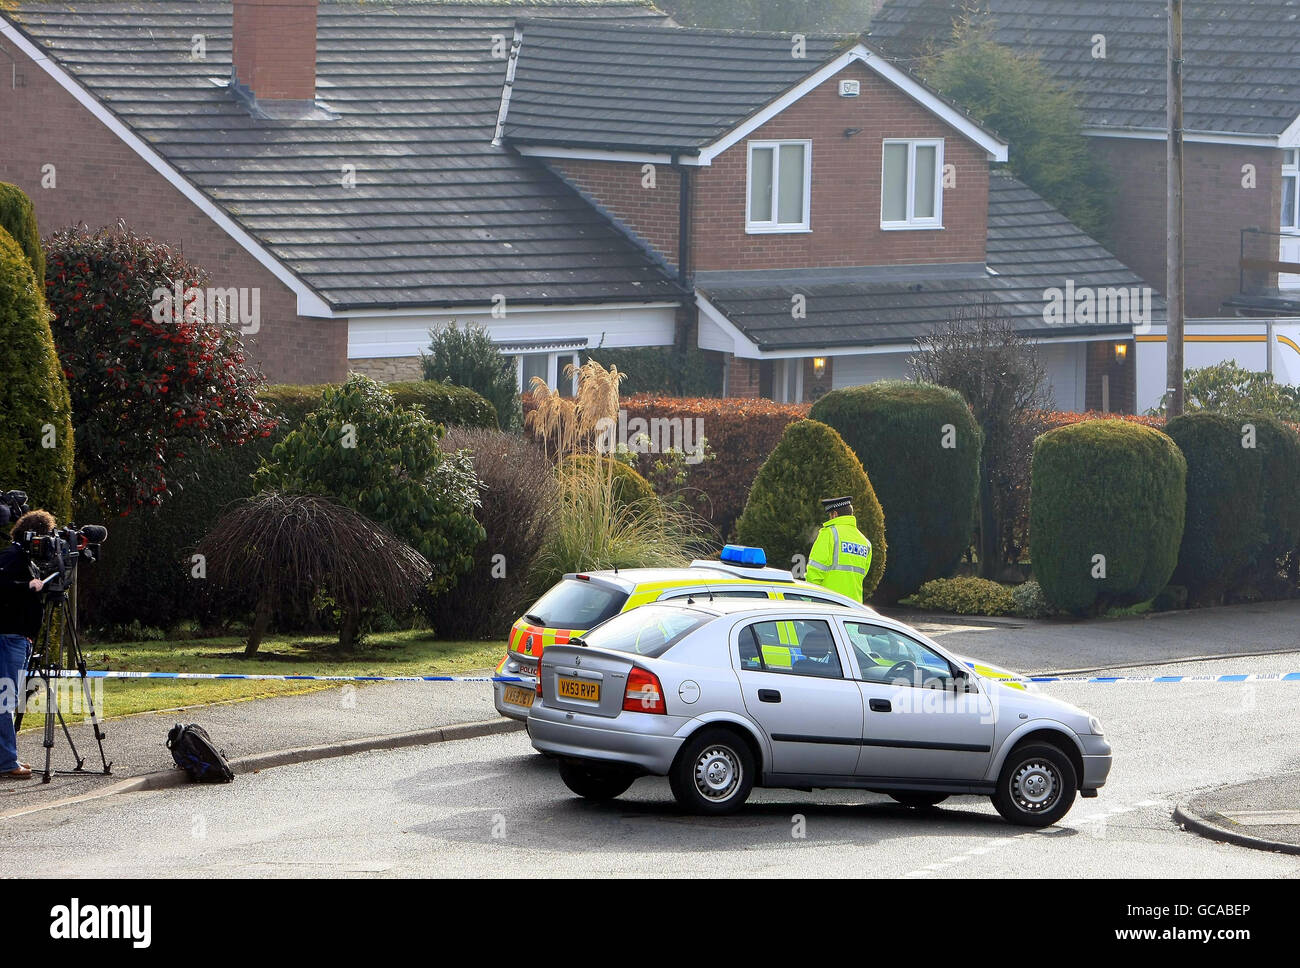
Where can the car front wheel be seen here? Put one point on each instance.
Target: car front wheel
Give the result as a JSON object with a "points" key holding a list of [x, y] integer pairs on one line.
{"points": [[713, 773], [1036, 787], [592, 782]]}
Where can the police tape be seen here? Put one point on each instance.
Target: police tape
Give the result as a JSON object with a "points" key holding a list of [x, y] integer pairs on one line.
{"points": [[1091, 680], [1106, 680], [265, 677]]}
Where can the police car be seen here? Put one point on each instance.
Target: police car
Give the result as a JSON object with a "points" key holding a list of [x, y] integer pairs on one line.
{"points": [[580, 602]]}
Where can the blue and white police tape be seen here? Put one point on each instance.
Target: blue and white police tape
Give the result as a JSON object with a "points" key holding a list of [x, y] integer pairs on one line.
{"points": [[1102, 680], [103, 674], [1106, 680]]}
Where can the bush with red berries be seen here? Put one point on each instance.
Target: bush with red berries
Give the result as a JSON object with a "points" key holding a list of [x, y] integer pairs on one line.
{"points": [[152, 377]]}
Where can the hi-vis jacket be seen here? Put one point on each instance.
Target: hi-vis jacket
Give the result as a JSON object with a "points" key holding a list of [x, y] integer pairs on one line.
{"points": [[840, 557]]}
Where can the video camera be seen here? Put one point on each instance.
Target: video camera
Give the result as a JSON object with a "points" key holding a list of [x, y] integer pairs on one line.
{"points": [[13, 505], [61, 549], [56, 554]]}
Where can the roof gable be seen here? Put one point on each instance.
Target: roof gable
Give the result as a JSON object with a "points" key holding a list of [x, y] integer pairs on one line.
{"points": [[654, 89]]}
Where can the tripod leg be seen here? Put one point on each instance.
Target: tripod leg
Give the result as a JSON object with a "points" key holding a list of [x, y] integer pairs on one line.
{"points": [[75, 655]]}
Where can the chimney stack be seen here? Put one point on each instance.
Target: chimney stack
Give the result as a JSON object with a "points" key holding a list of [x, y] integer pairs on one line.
{"points": [[274, 49]]}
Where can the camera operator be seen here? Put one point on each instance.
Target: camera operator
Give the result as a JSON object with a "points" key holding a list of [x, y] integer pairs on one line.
{"points": [[20, 622]]}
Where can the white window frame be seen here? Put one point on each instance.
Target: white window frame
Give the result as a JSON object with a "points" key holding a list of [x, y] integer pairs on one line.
{"points": [[774, 226], [912, 223], [553, 370], [1291, 171]]}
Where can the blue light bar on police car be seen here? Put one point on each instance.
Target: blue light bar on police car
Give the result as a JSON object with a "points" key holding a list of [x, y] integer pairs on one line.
{"points": [[742, 555]]}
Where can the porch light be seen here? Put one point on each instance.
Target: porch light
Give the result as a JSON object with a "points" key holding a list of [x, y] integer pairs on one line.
{"points": [[819, 366], [1121, 353]]}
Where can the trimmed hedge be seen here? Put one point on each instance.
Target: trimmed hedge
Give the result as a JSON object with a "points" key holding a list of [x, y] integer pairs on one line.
{"points": [[18, 218], [665, 369], [449, 405], [145, 572], [920, 447], [784, 512], [742, 433], [1105, 488], [1241, 472], [36, 438]]}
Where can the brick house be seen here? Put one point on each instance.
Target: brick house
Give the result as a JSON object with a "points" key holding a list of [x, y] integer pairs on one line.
{"points": [[800, 209], [1242, 151]]}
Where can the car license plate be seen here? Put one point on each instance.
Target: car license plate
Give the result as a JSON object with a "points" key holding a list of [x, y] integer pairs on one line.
{"points": [[579, 689], [520, 697]]}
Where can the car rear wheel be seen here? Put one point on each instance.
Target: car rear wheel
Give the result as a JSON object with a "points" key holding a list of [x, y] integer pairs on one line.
{"points": [[1036, 787], [919, 800], [592, 782], [713, 773]]}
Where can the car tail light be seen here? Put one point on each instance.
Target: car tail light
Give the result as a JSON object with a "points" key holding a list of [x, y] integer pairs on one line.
{"points": [[644, 693], [539, 680]]}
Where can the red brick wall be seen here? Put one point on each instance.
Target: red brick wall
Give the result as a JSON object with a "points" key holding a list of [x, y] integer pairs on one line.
{"points": [[846, 175], [275, 47], [621, 188], [1218, 207], [845, 205], [100, 180], [743, 377]]}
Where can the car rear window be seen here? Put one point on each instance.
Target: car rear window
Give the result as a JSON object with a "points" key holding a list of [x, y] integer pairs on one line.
{"points": [[650, 630], [577, 604]]}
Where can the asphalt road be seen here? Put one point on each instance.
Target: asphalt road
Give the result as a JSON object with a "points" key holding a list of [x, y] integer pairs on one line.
{"points": [[490, 807]]}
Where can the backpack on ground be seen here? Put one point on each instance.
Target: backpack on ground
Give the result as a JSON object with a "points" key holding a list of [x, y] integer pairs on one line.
{"points": [[193, 751]]}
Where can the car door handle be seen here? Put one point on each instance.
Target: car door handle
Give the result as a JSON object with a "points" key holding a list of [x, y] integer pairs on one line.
{"points": [[768, 695], [881, 706]]}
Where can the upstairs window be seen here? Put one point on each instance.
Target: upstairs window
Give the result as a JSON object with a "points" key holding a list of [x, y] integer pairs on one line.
{"points": [[1290, 195], [911, 185], [780, 180]]}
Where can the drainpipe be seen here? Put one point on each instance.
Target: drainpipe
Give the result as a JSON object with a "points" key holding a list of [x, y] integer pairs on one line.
{"points": [[684, 273], [683, 222]]}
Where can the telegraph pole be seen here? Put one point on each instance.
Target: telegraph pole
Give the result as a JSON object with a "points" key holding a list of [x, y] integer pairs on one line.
{"points": [[1174, 277]]}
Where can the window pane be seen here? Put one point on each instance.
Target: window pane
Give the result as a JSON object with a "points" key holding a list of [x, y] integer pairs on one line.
{"points": [[802, 647], [883, 651], [894, 197], [1288, 202], [789, 208], [926, 156], [1288, 157], [535, 364], [760, 185]]}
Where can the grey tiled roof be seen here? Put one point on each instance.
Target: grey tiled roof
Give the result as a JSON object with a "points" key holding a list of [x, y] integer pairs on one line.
{"points": [[1242, 56], [648, 87], [1031, 246], [438, 216]]}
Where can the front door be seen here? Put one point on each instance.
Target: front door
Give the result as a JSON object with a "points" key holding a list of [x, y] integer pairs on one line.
{"points": [[793, 679]]}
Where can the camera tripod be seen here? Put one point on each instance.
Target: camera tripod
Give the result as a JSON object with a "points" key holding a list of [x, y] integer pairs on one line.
{"points": [[48, 664]]}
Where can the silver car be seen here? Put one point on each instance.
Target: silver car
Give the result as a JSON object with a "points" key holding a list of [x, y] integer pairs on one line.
{"points": [[723, 695]]}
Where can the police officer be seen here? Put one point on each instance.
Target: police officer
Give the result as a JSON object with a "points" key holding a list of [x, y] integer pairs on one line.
{"points": [[841, 555]]}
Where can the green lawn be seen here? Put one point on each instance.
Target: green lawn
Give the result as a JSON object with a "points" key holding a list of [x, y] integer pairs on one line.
{"points": [[389, 654]]}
